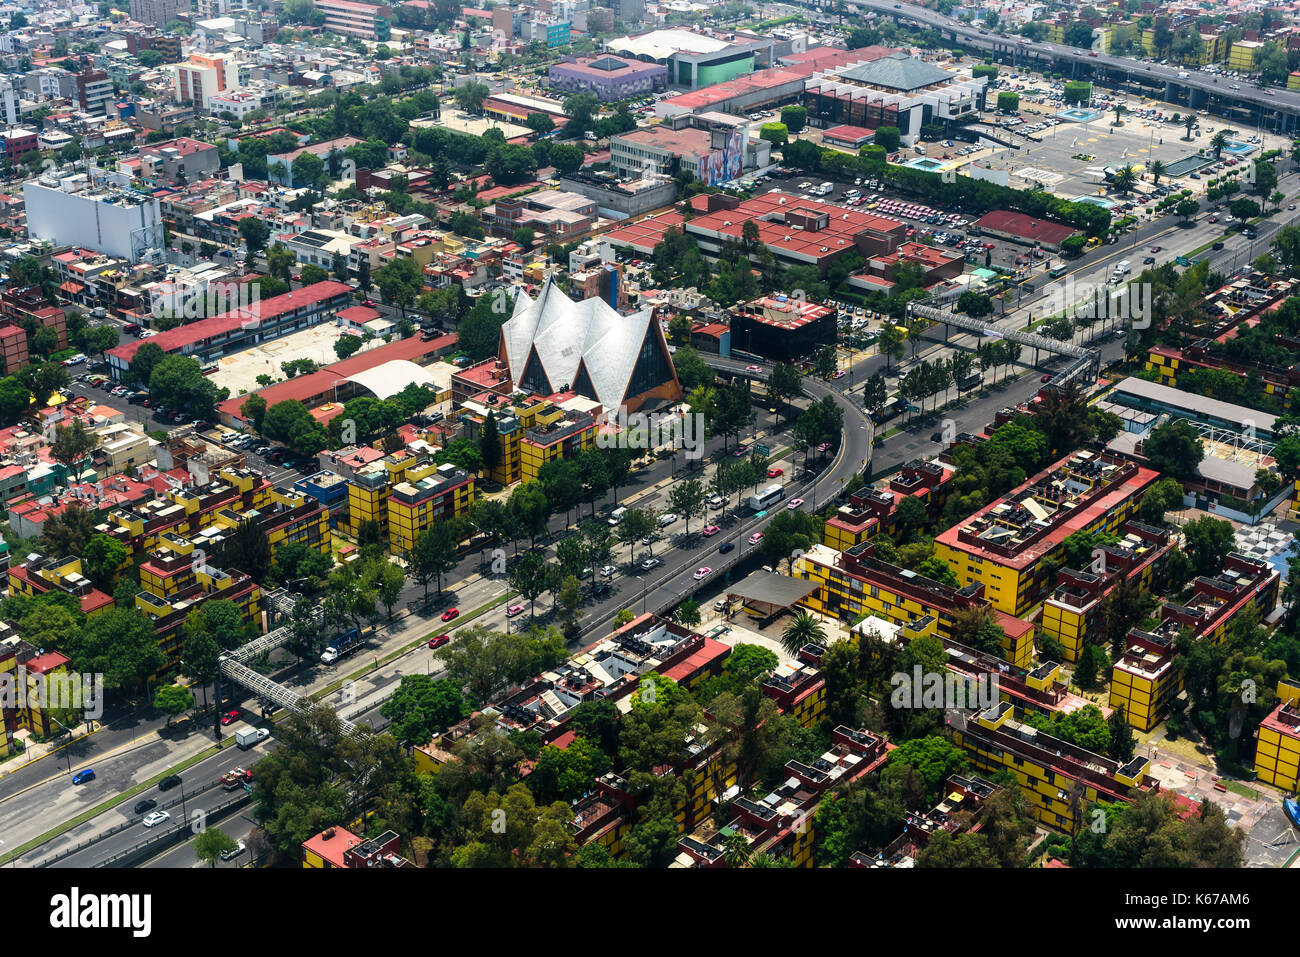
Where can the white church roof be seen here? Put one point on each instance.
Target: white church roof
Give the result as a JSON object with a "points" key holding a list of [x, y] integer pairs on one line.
{"points": [[568, 334]]}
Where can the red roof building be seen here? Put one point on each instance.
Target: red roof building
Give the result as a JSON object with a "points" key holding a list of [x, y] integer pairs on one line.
{"points": [[1019, 228], [260, 321], [331, 383]]}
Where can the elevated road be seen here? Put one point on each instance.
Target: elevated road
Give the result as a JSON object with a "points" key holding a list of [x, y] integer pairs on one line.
{"points": [[1279, 109]]}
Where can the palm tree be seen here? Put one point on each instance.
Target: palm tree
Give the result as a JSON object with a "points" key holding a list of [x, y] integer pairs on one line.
{"points": [[1125, 179], [805, 629], [1157, 170], [1189, 121], [1217, 142]]}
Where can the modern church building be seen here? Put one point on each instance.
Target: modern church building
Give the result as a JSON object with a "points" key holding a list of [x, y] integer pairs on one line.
{"points": [[553, 344]]}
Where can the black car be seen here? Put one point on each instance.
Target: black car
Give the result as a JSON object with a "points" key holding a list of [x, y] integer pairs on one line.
{"points": [[726, 547], [169, 782], [148, 804], [936, 437]]}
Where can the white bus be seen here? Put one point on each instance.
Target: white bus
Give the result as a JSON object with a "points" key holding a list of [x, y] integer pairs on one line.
{"points": [[769, 496]]}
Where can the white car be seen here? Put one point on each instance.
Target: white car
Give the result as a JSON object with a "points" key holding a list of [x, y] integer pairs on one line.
{"points": [[154, 818], [667, 519], [234, 852], [702, 573]]}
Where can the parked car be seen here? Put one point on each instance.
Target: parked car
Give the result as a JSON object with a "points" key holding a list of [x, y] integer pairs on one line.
{"points": [[608, 571], [84, 775], [234, 852]]}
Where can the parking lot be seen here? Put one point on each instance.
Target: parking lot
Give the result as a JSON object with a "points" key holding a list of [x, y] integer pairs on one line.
{"points": [[948, 229]]}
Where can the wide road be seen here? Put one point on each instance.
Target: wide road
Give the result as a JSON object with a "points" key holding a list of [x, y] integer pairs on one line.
{"points": [[1284, 103]]}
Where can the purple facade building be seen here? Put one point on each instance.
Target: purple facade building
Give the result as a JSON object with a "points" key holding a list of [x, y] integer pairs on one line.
{"points": [[608, 77]]}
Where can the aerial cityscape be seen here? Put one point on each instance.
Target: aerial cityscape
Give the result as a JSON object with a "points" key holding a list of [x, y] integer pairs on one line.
{"points": [[625, 434]]}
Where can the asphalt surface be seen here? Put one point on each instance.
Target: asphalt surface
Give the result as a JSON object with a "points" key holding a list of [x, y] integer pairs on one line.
{"points": [[1286, 103]]}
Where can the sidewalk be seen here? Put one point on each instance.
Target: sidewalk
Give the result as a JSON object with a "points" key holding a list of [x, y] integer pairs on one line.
{"points": [[35, 751]]}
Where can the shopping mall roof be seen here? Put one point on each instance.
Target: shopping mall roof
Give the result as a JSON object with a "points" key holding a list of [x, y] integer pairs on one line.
{"points": [[897, 71]]}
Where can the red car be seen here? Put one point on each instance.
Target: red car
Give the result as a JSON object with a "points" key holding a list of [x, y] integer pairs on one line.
{"points": [[230, 717], [450, 613], [439, 641], [773, 472], [1046, 378]]}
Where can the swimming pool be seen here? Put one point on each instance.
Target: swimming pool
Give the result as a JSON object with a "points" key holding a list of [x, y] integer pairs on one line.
{"points": [[1096, 201], [925, 163], [1077, 114], [1238, 149]]}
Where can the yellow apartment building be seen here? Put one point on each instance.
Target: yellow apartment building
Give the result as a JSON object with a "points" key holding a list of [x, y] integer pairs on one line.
{"points": [[853, 583], [1072, 614], [414, 505], [554, 433], [1277, 753], [1146, 679], [1012, 546], [1055, 777]]}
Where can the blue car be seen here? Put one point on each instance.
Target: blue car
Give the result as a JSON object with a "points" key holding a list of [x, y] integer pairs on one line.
{"points": [[726, 547], [81, 777]]}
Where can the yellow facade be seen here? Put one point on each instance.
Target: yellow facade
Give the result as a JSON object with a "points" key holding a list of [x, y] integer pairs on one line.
{"points": [[367, 502], [1073, 627], [410, 513], [843, 538], [1144, 695], [1016, 590], [1241, 58], [1047, 791], [1277, 754], [838, 598], [1293, 81], [312, 530]]}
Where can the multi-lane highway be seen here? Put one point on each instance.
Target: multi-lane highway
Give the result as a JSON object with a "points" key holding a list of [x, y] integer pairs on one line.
{"points": [[1282, 105]]}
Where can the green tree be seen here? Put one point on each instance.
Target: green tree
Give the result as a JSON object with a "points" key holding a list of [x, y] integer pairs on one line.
{"points": [[1207, 542], [805, 628], [1175, 449], [172, 700], [211, 843], [100, 560]]}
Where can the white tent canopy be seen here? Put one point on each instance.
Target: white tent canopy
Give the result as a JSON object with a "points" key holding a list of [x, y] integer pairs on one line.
{"points": [[390, 378]]}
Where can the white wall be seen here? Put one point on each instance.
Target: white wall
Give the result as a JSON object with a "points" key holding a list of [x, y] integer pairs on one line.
{"points": [[82, 220]]}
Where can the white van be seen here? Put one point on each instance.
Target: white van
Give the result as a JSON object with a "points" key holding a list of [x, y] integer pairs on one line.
{"points": [[616, 515]]}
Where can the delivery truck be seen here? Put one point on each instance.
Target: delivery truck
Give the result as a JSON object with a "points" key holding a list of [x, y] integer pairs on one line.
{"points": [[247, 737], [341, 646]]}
